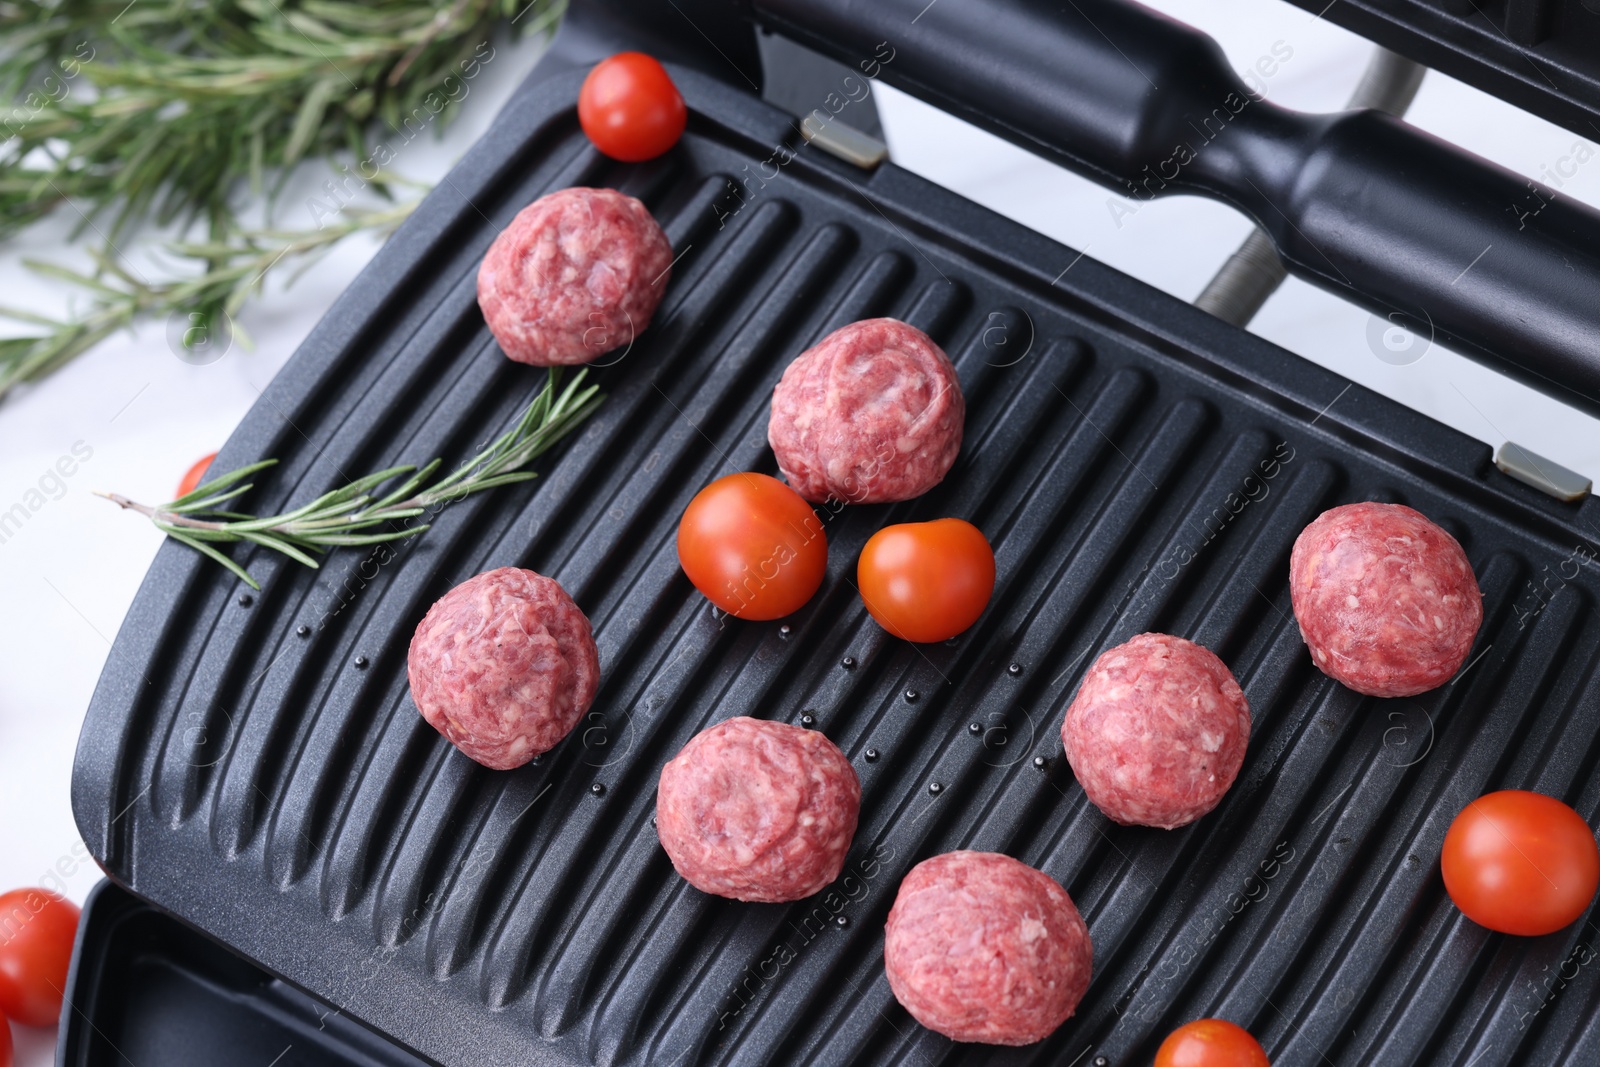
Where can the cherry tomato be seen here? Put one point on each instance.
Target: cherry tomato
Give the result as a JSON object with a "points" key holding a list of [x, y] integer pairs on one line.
{"points": [[1520, 863], [630, 109], [191, 477], [926, 581], [753, 546], [5, 1042], [36, 932], [1211, 1043]]}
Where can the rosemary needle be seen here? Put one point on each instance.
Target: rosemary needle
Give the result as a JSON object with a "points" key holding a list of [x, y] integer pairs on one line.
{"points": [[351, 515]]}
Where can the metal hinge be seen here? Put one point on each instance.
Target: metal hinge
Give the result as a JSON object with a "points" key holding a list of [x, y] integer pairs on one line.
{"points": [[1545, 475]]}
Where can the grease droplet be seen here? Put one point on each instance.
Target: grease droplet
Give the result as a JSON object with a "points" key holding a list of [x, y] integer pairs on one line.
{"points": [[598, 789], [912, 696], [935, 788], [361, 663], [848, 663], [975, 728], [871, 754]]}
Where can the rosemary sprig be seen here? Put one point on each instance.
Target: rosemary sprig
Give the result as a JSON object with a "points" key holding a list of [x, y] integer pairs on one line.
{"points": [[166, 109], [352, 515], [187, 114], [231, 272]]}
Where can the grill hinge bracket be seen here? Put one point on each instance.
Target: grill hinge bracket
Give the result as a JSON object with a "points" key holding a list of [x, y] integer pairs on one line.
{"points": [[1545, 475], [845, 142]]}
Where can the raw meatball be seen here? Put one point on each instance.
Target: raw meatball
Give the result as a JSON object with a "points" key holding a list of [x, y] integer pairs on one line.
{"points": [[872, 413], [504, 665], [1386, 600], [576, 274], [982, 947], [1157, 732], [758, 810]]}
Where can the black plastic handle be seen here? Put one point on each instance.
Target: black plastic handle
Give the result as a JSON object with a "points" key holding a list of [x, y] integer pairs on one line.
{"points": [[1357, 202]]}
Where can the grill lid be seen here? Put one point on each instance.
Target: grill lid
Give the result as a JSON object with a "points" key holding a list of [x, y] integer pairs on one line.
{"points": [[1541, 55]]}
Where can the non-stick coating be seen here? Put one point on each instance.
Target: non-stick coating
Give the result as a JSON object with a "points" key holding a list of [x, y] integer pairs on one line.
{"points": [[1137, 466]]}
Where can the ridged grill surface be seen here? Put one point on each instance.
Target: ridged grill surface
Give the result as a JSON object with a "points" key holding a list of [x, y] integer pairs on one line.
{"points": [[260, 785]]}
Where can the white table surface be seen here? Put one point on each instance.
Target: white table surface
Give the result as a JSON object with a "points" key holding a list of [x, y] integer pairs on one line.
{"points": [[69, 574]]}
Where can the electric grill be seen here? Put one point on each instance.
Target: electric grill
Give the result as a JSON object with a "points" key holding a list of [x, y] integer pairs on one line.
{"points": [[252, 768]]}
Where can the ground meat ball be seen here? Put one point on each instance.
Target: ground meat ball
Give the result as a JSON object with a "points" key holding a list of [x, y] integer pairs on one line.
{"points": [[1386, 600], [1157, 732], [576, 274], [504, 665], [758, 810], [872, 413], [982, 947]]}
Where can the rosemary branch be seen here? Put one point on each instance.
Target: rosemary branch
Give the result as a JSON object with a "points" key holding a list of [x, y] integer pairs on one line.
{"points": [[187, 114], [231, 272], [165, 109], [351, 515]]}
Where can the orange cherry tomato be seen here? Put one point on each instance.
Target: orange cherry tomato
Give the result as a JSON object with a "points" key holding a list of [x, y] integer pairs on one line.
{"points": [[191, 477], [926, 581], [37, 928], [1520, 863], [753, 546], [630, 109], [1211, 1043]]}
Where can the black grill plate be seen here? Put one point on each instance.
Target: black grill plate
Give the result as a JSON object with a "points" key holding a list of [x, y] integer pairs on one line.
{"points": [[261, 786]]}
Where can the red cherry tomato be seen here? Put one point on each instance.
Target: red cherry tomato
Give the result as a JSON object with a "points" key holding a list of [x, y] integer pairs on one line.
{"points": [[926, 581], [630, 109], [1211, 1043], [753, 546], [1520, 863], [191, 477], [36, 932], [5, 1042]]}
